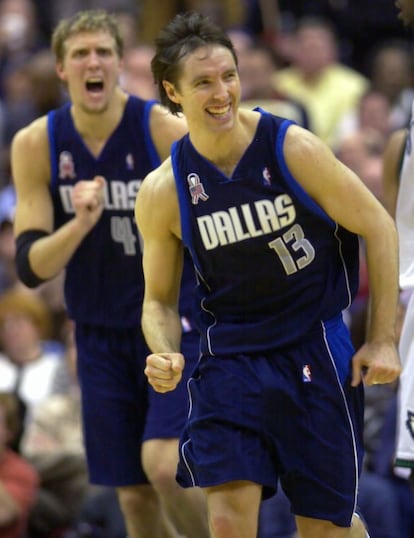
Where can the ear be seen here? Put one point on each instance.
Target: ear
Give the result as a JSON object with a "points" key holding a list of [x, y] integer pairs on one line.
{"points": [[60, 71], [171, 92]]}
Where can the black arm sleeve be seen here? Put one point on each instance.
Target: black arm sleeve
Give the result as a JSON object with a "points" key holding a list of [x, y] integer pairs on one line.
{"points": [[24, 241]]}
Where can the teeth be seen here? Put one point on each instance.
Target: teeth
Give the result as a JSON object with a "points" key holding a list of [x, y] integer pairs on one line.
{"points": [[219, 110]]}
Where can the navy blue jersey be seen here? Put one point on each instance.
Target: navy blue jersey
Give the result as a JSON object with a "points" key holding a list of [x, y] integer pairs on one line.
{"points": [[104, 280], [270, 262]]}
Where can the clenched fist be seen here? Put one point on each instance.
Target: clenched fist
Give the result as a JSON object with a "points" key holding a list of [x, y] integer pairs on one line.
{"points": [[164, 370]]}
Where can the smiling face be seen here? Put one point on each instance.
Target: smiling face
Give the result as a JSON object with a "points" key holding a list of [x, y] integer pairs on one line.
{"points": [[208, 88], [90, 69], [406, 14]]}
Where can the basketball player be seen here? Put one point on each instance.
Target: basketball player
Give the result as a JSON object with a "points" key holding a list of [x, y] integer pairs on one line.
{"points": [[77, 172], [271, 219]]}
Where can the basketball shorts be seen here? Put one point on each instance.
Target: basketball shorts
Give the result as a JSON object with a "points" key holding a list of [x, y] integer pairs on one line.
{"points": [[168, 412], [287, 414], [117, 407]]}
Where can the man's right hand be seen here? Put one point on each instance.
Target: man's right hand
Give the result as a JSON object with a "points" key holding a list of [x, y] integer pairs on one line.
{"points": [[88, 200], [164, 370]]}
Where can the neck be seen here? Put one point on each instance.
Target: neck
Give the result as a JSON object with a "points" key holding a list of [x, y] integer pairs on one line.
{"points": [[100, 124], [224, 149]]}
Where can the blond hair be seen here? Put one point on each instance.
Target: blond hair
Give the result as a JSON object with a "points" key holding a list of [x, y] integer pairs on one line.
{"points": [[30, 304], [93, 20]]}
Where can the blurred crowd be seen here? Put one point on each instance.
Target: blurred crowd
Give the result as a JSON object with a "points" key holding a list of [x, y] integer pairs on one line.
{"points": [[343, 69]]}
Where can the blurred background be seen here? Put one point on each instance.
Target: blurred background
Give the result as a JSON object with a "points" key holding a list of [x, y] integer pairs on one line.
{"points": [[343, 69]]}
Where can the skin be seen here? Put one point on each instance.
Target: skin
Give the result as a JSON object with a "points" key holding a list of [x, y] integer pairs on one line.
{"points": [[209, 93], [96, 114], [392, 156]]}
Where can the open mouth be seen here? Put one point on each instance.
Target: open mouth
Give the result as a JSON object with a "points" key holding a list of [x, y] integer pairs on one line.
{"points": [[94, 85]]}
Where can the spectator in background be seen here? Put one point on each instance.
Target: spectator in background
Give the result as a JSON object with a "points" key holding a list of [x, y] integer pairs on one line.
{"points": [[362, 152], [326, 88], [136, 76], [19, 35], [372, 113], [8, 275], [18, 479], [28, 365], [56, 423], [359, 24], [53, 443], [392, 74], [31, 90], [154, 15], [257, 67]]}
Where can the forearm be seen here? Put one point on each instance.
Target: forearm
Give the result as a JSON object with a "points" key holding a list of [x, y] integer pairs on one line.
{"points": [[382, 261], [161, 326], [49, 255]]}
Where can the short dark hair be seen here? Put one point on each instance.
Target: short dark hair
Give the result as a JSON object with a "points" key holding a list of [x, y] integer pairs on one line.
{"points": [[182, 35]]}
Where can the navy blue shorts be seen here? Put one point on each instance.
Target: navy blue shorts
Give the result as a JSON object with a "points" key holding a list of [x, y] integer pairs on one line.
{"points": [[118, 412], [168, 412], [290, 414]]}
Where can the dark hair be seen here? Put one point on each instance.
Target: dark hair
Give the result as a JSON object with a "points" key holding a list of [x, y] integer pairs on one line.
{"points": [[181, 36]]}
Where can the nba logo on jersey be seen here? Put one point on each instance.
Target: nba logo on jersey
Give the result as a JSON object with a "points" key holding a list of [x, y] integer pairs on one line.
{"points": [[266, 176], [410, 423], [66, 166], [306, 374], [129, 160]]}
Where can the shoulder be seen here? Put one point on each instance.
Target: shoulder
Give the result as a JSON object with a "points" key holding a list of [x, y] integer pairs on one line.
{"points": [[311, 161], [249, 119], [34, 135], [286, 74], [159, 181], [162, 118], [301, 142], [349, 78]]}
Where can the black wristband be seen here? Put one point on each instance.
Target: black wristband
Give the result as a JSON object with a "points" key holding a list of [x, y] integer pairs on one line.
{"points": [[24, 241]]}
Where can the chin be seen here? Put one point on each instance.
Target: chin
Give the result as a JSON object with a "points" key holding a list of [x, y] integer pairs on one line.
{"points": [[97, 108]]}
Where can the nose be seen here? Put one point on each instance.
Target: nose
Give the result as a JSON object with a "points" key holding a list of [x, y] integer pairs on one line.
{"points": [[220, 90], [93, 58]]}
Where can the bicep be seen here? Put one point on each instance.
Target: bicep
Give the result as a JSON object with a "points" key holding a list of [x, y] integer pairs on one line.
{"points": [[162, 264], [155, 213], [34, 208]]}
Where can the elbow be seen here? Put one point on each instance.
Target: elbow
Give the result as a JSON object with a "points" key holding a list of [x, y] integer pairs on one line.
{"points": [[27, 277], [24, 270]]}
